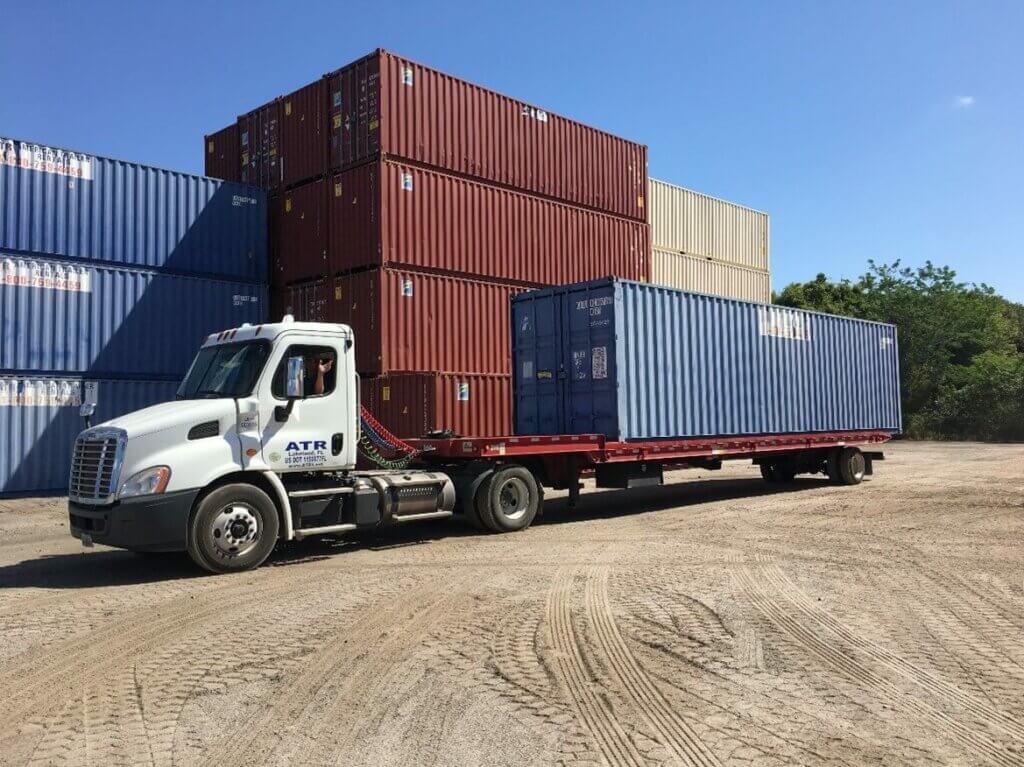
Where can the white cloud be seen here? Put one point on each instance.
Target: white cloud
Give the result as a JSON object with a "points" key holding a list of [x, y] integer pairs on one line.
{"points": [[964, 102]]}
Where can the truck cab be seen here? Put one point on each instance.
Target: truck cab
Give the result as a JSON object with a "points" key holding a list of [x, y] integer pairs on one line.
{"points": [[259, 445]]}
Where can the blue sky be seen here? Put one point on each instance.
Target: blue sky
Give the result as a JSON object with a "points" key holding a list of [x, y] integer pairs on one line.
{"points": [[866, 130]]}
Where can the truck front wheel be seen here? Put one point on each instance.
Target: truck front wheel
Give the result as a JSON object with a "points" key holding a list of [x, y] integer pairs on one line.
{"points": [[233, 528], [508, 500]]}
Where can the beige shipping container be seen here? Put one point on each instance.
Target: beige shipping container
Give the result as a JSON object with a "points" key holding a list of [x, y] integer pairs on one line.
{"points": [[705, 275], [684, 221]]}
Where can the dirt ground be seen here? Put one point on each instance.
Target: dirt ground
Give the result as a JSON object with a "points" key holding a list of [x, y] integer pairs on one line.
{"points": [[716, 621]]}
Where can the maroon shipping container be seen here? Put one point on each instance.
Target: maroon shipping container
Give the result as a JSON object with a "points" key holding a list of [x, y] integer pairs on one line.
{"points": [[384, 103], [259, 146], [413, 404], [221, 154], [387, 214], [304, 133], [408, 321], [300, 234]]}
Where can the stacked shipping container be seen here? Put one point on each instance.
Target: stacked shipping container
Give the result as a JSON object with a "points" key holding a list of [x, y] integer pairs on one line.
{"points": [[413, 205], [110, 273], [708, 245]]}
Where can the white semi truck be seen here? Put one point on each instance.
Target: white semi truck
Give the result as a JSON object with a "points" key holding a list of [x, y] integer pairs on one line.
{"points": [[261, 446]]}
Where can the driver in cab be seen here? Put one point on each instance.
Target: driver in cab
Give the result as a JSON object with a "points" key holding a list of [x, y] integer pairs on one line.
{"points": [[317, 370]]}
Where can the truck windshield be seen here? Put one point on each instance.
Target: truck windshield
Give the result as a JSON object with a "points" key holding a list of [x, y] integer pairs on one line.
{"points": [[229, 370]]}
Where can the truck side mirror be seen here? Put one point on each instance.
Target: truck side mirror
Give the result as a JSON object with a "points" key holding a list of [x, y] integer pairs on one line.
{"points": [[86, 411], [294, 387]]}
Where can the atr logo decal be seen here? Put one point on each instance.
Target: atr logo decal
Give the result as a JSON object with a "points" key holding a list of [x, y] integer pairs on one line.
{"points": [[317, 444], [306, 452]]}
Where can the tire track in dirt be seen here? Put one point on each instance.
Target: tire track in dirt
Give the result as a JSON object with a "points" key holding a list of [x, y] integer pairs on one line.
{"points": [[37, 684], [939, 687], [404, 636], [591, 707], [673, 729], [295, 709], [814, 637]]}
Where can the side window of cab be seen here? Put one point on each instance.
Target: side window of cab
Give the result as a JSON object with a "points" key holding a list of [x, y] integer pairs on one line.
{"points": [[320, 371]]}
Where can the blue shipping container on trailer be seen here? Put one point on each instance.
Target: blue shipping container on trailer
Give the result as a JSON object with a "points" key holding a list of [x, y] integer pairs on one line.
{"points": [[39, 420], [63, 317], [635, 361], [68, 204]]}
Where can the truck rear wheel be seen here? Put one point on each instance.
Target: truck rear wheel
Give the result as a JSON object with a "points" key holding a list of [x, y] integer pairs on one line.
{"points": [[233, 528], [508, 500]]}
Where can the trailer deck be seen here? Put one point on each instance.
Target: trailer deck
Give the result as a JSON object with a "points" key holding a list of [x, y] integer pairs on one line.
{"points": [[599, 449]]}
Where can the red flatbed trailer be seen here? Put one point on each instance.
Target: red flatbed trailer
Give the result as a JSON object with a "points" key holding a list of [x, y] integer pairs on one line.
{"points": [[558, 461]]}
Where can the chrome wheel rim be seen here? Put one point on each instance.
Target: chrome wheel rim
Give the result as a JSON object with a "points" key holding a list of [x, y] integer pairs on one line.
{"points": [[513, 498], [235, 530]]}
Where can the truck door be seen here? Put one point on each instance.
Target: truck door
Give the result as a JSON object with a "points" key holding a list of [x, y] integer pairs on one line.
{"points": [[308, 433]]}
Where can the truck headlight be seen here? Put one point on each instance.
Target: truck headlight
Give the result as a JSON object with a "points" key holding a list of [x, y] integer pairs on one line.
{"points": [[146, 482]]}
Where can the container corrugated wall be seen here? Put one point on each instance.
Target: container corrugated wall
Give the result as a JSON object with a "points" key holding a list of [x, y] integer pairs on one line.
{"points": [[221, 154], [39, 421], [300, 251], [411, 405], [398, 215], [635, 361], [684, 221], [413, 322], [304, 133], [81, 318], [439, 120], [705, 275], [71, 205]]}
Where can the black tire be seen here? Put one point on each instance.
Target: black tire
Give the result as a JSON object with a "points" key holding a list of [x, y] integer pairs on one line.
{"points": [[768, 473], [467, 492], [852, 466], [508, 500], [832, 465], [233, 528]]}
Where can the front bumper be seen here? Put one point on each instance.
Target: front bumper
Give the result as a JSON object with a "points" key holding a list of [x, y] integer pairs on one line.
{"points": [[147, 523]]}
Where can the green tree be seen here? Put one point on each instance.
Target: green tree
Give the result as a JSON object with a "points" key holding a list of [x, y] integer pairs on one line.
{"points": [[955, 340]]}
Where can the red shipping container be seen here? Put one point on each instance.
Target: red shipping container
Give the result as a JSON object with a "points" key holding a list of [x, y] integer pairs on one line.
{"points": [[221, 154], [385, 103], [300, 234], [304, 139], [408, 321], [387, 214], [259, 146], [413, 404]]}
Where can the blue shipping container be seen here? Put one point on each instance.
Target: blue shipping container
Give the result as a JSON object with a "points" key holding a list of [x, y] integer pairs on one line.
{"points": [[72, 205], [39, 421], [63, 317], [635, 361]]}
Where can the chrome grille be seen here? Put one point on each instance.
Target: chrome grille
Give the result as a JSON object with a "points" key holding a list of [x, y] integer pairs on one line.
{"points": [[96, 465]]}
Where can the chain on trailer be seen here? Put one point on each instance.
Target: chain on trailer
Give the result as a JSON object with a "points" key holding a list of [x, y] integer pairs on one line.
{"points": [[375, 441]]}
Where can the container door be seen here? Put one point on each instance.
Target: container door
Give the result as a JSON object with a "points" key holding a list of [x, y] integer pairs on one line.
{"points": [[536, 362], [589, 390]]}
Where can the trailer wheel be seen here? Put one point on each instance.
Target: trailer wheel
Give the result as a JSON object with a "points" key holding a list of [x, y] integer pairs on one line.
{"points": [[233, 528], [508, 500], [852, 466]]}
